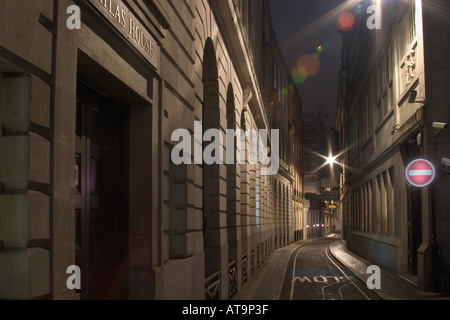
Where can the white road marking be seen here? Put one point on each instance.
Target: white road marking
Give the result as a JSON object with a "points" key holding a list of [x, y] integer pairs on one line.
{"points": [[293, 274], [354, 284], [323, 293]]}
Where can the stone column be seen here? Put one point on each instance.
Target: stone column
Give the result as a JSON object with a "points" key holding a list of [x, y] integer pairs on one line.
{"points": [[24, 213]]}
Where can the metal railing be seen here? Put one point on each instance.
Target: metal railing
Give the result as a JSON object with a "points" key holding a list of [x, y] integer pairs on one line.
{"points": [[232, 279], [298, 235], [212, 287], [244, 268], [258, 257], [252, 262]]}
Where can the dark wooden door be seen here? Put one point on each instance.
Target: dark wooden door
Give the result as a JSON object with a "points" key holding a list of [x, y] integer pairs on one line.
{"points": [[101, 195], [414, 197], [414, 227]]}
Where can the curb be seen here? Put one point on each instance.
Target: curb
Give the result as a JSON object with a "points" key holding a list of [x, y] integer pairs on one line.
{"points": [[399, 288], [361, 275]]}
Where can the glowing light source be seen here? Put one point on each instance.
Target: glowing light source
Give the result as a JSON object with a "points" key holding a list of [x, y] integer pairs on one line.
{"points": [[331, 160]]}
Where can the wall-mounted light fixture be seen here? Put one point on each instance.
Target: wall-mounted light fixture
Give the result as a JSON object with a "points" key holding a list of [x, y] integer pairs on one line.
{"points": [[413, 97], [439, 126]]}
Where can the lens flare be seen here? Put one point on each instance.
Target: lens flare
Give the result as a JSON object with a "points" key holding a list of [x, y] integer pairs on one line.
{"points": [[318, 53], [311, 30], [346, 21], [310, 63], [299, 75]]}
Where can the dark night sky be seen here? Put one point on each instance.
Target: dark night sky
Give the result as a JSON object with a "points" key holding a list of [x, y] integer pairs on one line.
{"points": [[301, 27]]}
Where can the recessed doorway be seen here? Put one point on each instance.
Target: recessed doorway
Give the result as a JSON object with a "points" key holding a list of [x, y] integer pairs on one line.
{"points": [[101, 194]]}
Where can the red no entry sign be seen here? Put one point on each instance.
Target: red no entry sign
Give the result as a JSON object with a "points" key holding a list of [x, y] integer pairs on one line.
{"points": [[420, 173]]}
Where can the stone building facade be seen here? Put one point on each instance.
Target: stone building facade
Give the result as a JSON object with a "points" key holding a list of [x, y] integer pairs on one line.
{"points": [[88, 114], [393, 87], [284, 109]]}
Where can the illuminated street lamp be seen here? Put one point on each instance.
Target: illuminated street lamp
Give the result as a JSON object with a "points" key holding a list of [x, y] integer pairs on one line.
{"points": [[331, 160]]}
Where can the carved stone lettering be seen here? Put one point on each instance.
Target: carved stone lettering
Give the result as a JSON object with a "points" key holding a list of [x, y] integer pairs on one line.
{"points": [[123, 20]]}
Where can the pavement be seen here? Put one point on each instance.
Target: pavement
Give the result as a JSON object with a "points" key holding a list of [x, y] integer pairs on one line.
{"points": [[268, 283]]}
